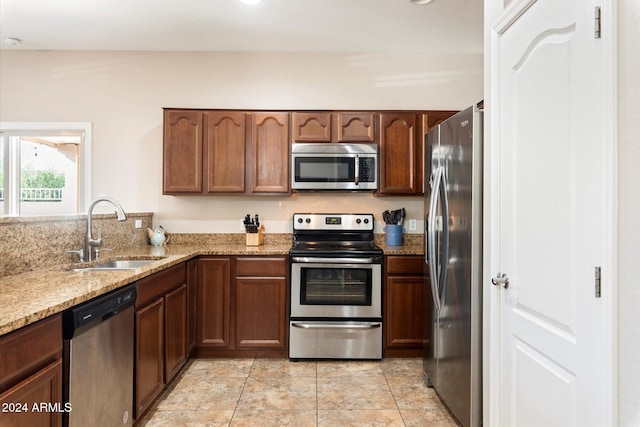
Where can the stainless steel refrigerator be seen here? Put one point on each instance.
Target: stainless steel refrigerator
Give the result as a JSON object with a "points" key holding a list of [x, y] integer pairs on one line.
{"points": [[453, 248]]}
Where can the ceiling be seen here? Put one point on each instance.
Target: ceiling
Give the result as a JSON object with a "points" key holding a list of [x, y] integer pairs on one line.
{"points": [[453, 26]]}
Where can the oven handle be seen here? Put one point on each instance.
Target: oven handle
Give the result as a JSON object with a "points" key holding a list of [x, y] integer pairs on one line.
{"points": [[336, 325], [336, 260]]}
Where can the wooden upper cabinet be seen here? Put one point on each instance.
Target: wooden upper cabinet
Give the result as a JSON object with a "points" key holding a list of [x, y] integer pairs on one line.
{"points": [[355, 127], [182, 151], [431, 119], [224, 151], [311, 127], [324, 126], [400, 154], [268, 156], [248, 152]]}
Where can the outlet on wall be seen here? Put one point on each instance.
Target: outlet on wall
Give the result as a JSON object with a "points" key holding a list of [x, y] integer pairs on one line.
{"points": [[413, 224], [138, 223]]}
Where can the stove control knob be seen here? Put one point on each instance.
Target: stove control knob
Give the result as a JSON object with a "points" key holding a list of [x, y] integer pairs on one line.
{"points": [[299, 220], [358, 221], [366, 220], [308, 220]]}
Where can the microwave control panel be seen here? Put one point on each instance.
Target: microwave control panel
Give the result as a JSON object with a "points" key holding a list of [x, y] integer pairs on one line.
{"points": [[367, 169]]}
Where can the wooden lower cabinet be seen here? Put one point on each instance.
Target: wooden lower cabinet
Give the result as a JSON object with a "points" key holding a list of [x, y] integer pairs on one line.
{"points": [[192, 297], [175, 345], [31, 374], [161, 335], [214, 302], [41, 388], [242, 306], [404, 308], [149, 362]]}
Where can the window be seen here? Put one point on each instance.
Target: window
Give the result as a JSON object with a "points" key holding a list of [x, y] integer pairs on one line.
{"points": [[44, 168]]}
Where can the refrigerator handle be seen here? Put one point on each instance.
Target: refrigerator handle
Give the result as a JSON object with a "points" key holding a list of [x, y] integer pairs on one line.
{"points": [[432, 254]]}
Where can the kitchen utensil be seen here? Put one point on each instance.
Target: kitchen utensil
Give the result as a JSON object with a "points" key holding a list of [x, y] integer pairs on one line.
{"points": [[386, 216]]}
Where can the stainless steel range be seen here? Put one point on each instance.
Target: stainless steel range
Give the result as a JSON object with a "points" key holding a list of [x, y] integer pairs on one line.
{"points": [[336, 288]]}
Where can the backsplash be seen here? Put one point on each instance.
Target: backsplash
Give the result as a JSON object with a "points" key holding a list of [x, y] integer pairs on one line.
{"points": [[29, 243]]}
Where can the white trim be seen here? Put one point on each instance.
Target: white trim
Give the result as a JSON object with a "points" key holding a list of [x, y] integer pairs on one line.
{"points": [[609, 25], [85, 148]]}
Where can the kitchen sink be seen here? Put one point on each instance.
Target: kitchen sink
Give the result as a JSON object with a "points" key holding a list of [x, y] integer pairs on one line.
{"points": [[126, 264]]}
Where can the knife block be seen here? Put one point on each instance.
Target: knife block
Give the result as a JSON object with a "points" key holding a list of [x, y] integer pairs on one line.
{"points": [[255, 239]]}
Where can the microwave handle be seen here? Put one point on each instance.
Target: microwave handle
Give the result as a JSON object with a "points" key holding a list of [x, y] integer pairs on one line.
{"points": [[357, 169]]}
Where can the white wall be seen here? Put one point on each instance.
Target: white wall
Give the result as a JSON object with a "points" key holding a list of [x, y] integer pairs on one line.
{"points": [[122, 94], [629, 213]]}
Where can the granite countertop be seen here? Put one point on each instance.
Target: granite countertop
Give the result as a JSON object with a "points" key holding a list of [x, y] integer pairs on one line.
{"points": [[405, 249], [28, 297]]}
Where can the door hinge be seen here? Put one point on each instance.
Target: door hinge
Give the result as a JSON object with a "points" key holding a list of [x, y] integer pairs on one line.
{"points": [[598, 283], [597, 23]]}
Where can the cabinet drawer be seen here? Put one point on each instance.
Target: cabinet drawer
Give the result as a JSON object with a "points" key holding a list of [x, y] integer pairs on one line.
{"points": [[261, 267], [26, 349], [160, 283], [404, 264]]}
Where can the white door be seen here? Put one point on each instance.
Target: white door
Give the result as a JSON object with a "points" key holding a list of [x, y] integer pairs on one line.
{"points": [[551, 199]]}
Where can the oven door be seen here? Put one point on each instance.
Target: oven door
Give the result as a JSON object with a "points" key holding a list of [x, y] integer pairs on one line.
{"points": [[336, 288]]}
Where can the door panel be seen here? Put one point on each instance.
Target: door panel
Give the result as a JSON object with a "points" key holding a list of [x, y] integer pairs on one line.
{"points": [[551, 229]]}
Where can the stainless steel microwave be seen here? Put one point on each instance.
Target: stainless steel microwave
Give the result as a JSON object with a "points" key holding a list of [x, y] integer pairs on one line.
{"points": [[334, 166]]}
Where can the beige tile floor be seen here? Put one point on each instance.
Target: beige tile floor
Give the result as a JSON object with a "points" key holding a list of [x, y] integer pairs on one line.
{"points": [[278, 392]]}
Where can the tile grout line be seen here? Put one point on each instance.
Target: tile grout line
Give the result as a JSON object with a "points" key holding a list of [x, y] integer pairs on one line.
{"points": [[395, 401], [317, 406], [246, 380]]}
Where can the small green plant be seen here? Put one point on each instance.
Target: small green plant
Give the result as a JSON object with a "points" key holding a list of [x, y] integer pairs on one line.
{"points": [[41, 179]]}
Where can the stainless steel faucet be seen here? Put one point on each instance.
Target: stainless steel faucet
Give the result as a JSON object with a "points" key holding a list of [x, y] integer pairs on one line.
{"points": [[90, 243]]}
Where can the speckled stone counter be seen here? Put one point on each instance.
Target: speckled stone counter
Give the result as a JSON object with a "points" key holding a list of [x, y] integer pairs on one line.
{"points": [[413, 244], [28, 297], [31, 296]]}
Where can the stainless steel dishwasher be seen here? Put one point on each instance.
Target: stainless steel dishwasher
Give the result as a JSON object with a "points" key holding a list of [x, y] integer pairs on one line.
{"points": [[98, 360]]}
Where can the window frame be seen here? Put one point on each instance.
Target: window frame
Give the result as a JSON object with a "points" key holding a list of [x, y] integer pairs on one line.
{"points": [[83, 129]]}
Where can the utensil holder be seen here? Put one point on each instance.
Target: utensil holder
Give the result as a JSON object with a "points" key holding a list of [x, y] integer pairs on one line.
{"points": [[255, 239], [394, 234]]}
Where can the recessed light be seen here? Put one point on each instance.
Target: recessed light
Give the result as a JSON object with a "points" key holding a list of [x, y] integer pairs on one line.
{"points": [[12, 41], [421, 1]]}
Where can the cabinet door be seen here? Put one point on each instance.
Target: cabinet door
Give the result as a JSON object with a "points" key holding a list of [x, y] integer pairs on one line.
{"points": [[43, 387], [214, 302], [175, 331], [404, 312], [182, 151], [311, 127], [192, 294], [269, 153], [430, 119], [149, 366], [355, 127], [224, 151], [261, 312], [400, 171]]}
